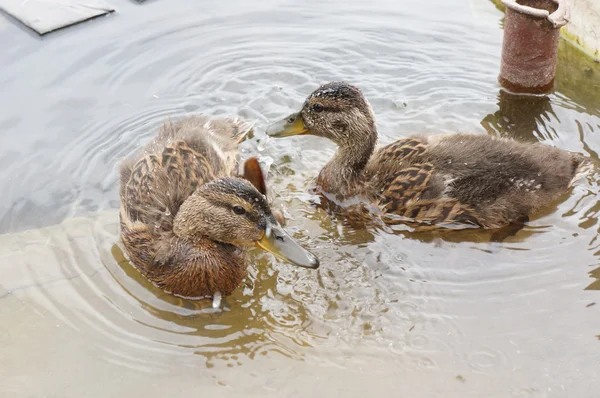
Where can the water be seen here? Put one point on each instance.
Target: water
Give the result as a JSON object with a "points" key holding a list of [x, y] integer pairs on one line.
{"points": [[405, 315]]}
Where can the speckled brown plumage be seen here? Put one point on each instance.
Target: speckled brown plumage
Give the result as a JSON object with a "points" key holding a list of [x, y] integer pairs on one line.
{"points": [[454, 180], [177, 196]]}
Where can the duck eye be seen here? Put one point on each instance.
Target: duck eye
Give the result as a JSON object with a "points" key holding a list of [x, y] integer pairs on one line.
{"points": [[239, 210], [317, 107]]}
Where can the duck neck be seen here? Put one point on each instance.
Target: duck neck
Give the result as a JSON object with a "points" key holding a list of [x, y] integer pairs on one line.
{"points": [[347, 166], [189, 223]]}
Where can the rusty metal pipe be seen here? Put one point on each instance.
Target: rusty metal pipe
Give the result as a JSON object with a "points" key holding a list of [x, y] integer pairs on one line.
{"points": [[530, 44]]}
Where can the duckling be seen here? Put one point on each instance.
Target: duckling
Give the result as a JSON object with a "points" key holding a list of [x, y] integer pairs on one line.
{"points": [[187, 220], [451, 180]]}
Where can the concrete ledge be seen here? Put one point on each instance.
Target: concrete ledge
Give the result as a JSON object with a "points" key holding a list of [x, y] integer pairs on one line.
{"points": [[45, 16], [584, 27]]}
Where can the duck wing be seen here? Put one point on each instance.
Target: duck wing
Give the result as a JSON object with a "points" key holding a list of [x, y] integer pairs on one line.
{"points": [[393, 157], [160, 182], [185, 155], [411, 195], [409, 187], [406, 185]]}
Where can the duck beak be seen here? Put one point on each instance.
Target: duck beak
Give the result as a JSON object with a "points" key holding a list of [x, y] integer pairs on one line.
{"points": [[278, 242], [291, 125]]}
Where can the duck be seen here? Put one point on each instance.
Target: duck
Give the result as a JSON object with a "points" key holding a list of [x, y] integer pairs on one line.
{"points": [[188, 218], [457, 180]]}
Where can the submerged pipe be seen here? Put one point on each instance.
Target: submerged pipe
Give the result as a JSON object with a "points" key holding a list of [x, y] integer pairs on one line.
{"points": [[530, 44]]}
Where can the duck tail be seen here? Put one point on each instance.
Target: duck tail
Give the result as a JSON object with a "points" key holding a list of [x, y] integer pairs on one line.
{"points": [[582, 166], [254, 174]]}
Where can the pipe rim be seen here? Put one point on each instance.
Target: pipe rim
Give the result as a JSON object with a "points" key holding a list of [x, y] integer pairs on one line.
{"points": [[558, 18]]}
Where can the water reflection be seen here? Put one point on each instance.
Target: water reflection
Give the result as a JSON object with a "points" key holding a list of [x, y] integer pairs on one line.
{"points": [[520, 117], [596, 284], [247, 326]]}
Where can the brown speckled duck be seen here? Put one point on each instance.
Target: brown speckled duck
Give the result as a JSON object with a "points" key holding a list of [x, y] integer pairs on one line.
{"points": [[454, 180], [187, 220]]}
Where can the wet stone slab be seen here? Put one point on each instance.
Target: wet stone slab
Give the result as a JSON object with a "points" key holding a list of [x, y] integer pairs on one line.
{"points": [[44, 16]]}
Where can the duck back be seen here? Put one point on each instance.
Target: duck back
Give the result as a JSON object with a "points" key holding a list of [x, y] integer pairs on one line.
{"points": [[476, 179], [478, 169]]}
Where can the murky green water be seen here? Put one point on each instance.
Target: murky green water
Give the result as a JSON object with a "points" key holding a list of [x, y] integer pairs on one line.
{"points": [[406, 315]]}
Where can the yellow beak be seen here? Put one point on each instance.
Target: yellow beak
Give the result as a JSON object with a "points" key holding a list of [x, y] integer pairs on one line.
{"points": [[291, 125], [277, 241]]}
